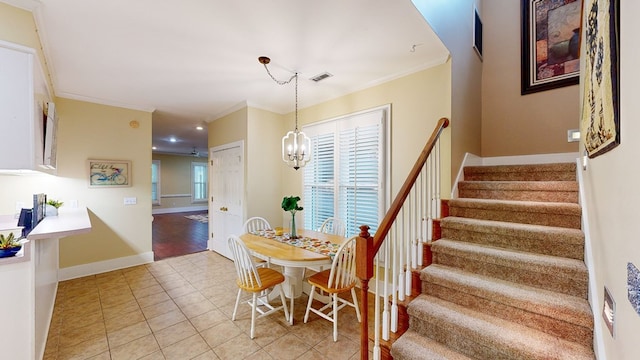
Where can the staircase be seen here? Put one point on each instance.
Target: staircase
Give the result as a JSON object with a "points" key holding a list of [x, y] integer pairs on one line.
{"points": [[507, 279]]}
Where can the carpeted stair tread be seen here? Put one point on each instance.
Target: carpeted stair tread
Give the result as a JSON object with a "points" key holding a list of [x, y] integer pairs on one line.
{"points": [[567, 308], [527, 212], [486, 337], [564, 275], [536, 172], [413, 346], [549, 191], [548, 240]]}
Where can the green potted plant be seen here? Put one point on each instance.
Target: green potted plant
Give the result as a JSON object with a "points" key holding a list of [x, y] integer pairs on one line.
{"points": [[52, 207], [290, 204], [9, 245]]}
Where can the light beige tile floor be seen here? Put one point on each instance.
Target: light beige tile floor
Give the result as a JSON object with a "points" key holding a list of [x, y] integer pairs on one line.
{"points": [[180, 308]]}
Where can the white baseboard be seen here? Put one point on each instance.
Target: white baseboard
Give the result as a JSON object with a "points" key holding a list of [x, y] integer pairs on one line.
{"points": [[180, 209], [74, 272]]}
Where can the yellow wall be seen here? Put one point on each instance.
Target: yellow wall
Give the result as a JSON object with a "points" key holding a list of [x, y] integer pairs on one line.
{"points": [[229, 128], [611, 186], [417, 101], [514, 124], [175, 179], [263, 164], [91, 131]]}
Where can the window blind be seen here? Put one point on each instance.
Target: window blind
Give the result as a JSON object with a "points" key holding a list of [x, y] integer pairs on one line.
{"points": [[345, 178]]}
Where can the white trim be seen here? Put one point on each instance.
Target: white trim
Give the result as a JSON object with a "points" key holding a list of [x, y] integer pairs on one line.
{"points": [[174, 195], [180, 209], [99, 267], [593, 297], [469, 160]]}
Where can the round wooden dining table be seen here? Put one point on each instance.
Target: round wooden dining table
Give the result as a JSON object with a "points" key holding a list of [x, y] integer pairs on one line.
{"points": [[292, 258]]}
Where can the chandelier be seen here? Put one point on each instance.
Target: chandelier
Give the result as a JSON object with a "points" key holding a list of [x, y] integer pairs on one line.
{"points": [[296, 146]]}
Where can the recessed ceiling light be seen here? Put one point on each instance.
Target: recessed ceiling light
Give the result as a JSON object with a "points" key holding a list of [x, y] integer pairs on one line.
{"points": [[154, 148], [199, 127], [173, 139]]}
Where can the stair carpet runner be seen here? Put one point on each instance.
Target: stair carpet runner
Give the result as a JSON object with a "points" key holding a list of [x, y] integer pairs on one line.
{"points": [[508, 280]]}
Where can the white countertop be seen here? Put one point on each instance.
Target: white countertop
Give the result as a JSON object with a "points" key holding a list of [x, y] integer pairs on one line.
{"points": [[68, 222]]}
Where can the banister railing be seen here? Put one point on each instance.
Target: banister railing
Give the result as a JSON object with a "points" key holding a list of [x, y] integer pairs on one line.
{"points": [[410, 217]]}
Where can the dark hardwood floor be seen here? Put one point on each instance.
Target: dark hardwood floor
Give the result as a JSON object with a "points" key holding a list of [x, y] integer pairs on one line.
{"points": [[175, 235]]}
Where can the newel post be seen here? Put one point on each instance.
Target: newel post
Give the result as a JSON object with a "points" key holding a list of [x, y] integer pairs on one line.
{"points": [[364, 271]]}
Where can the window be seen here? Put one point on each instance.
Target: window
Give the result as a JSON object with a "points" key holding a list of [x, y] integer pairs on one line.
{"points": [[198, 181], [346, 177], [155, 182]]}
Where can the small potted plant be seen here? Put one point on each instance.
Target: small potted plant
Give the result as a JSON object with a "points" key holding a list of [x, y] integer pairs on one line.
{"points": [[9, 245], [290, 204], [52, 207]]}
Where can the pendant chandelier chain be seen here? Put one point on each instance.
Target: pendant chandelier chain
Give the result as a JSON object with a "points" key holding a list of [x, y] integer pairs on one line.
{"points": [[285, 82]]}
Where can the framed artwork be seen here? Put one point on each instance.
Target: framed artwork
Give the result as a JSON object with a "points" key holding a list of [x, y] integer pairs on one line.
{"points": [[477, 32], [600, 119], [109, 173], [550, 44]]}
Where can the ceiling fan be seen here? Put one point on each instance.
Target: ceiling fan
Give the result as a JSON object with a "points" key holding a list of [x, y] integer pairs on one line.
{"points": [[195, 152]]}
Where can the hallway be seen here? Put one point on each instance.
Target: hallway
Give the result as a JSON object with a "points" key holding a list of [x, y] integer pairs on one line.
{"points": [[175, 235]]}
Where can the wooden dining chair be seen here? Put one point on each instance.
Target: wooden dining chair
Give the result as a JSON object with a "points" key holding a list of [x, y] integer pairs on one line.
{"points": [[256, 223], [252, 225], [339, 279], [255, 280], [333, 226]]}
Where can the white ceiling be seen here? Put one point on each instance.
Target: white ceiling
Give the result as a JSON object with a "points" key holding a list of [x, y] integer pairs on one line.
{"points": [[196, 60]]}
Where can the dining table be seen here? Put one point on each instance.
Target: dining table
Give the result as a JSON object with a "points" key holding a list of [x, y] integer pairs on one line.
{"points": [[310, 249]]}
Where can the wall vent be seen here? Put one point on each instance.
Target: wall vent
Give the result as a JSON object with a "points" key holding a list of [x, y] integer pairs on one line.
{"points": [[320, 77]]}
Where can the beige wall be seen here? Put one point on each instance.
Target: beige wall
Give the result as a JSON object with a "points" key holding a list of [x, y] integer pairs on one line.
{"points": [[613, 194], [175, 179], [514, 124], [452, 21]]}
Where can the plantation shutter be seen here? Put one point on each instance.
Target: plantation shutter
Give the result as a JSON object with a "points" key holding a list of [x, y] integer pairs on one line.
{"points": [[345, 178]]}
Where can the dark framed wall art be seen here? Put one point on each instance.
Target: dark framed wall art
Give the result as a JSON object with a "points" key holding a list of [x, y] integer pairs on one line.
{"points": [[550, 44], [600, 123], [477, 32]]}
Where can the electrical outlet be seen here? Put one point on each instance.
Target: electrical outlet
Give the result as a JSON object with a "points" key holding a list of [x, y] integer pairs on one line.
{"points": [[130, 201]]}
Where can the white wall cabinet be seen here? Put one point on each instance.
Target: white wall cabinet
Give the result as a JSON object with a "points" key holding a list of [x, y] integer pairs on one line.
{"points": [[22, 125]]}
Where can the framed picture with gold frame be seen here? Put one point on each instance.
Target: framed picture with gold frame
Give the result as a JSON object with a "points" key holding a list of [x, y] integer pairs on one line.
{"points": [[109, 173]]}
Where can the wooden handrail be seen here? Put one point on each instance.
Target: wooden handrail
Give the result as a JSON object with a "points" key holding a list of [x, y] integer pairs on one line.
{"points": [[367, 246]]}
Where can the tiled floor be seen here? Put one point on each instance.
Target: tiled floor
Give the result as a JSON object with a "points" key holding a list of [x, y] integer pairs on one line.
{"points": [[180, 308]]}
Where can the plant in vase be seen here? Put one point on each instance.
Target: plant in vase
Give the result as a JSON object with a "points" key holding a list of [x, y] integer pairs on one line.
{"points": [[9, 245], [52, 207], [290, 204]]}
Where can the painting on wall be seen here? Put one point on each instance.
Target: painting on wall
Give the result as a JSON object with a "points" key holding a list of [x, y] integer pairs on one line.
{"points": [[600, 122], [109, 173], [550, 44]]}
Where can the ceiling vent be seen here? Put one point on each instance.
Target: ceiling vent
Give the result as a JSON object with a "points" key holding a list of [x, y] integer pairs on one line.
{"points": [[322, 76]]}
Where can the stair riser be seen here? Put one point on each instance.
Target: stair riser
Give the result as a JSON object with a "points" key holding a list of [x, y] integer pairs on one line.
{"points": [[544, 196], [460, 340], [515, 216], [548, 324], [553, 247], [566, 285], [546, 172]]}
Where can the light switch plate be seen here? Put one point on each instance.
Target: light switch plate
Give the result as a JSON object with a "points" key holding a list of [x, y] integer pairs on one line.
{"points": [[130, 201]]}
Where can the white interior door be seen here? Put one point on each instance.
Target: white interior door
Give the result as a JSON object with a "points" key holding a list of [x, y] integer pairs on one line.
{"points": [[226, 187]]}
